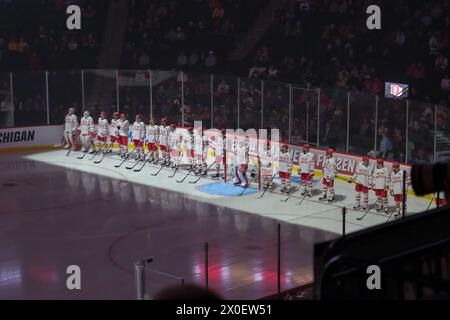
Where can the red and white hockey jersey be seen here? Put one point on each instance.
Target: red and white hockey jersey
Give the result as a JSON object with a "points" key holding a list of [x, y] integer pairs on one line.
{"points": [[138, 130], [103, 127], [70, 123], [362, 174], [113, 131], [306, 162], [174, 139], [380, 178], [284, 162], [242, 149], [163, 135], [151, 133], [329, 168], [124, 127], [397, 182], [86, 125]]}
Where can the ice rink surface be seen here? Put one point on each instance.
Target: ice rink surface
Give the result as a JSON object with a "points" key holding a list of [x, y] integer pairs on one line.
{"points": [[58, 211]]}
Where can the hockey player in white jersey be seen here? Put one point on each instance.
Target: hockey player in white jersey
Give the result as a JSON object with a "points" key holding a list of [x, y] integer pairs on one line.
{"points": [[201, 151], [217, 147], [189, 147], [102, 131], [361, 178], [380, 183], [151, 137], [113, 131], [174, 144], [87, 132], [265, 162], [285, 168], [396, 187], [123, 127], [306, 170], [163, 142], [329, 174], [241, 162], [138, 137], [70, 129]]}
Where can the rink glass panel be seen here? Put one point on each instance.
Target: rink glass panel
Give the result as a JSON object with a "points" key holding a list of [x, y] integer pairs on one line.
{"points": [[276, 107], [166, 96], [100, 92], [421, 134], [225, 102], [134, 93], [197, 99], [333, 119], [30, 98], [250, 99], [6, 107], [65, 91], [304, 115], [442, 134], [362, 124], [391, 129]]}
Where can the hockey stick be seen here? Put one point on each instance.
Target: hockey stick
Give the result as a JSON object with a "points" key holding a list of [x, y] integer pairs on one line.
{"points": [[96, 152], [431, 201], [246, 186], [196, 180], [289, 196], [84, 155], [125, 159], [176, 167], [137, 162], [143, 165], [369, 206], [270, 181], [192, 169]]}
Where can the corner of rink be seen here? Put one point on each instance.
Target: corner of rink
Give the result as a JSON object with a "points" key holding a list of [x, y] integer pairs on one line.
{"points": [[297, 209]]}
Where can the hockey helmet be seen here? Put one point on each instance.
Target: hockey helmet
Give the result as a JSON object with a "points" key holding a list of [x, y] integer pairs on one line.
{"points": [[164, 120], [138, 117], [190, 129], [122, 116], [173, 126], [365, 159], [380, 162], [103, 114], [223, 131], [284, 146], [330, 152], [115, 115], [396, 165], [306, 146], [86, 114]]}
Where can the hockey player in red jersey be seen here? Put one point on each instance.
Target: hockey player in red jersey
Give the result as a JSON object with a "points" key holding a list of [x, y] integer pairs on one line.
{"points": [[113, 131], [123, 127], [70, 129], [329, 174], [285, 169], [102, 131], [189, 142], [361, 179], [396, 187], [306, 170], [380, 183], [138, 137], [151, 137]]}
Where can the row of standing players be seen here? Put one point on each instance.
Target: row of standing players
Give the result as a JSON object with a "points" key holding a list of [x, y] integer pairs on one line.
{"points": [[164, 148]]}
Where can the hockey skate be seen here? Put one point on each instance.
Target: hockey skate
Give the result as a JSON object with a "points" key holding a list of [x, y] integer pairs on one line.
{"points": [[215, 176], [303, 193], [330, 200], [309, 194], [67, 146], [386, 210], [379, 208], [197, 172], [323, 197], [364, 207], [172, 165], [204, 173], [397, 213], [357, 206]]}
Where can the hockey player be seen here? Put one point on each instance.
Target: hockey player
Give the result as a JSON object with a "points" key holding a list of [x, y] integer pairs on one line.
{"points": [[241, 162], [361, 177], [201, 151], [87, 132], [217, 145], [285, 168], [306, 170], [151, 136], [102, 131], [396, 187], [329, 173], [138, 137], [380, 183], [113, 131], [123, 127], [188, 144], [174, 147], [70, 129], [265, 163], [163, 141]]}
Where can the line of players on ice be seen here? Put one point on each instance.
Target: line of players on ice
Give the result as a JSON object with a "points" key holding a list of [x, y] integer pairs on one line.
{"points": [[164, 147]]}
